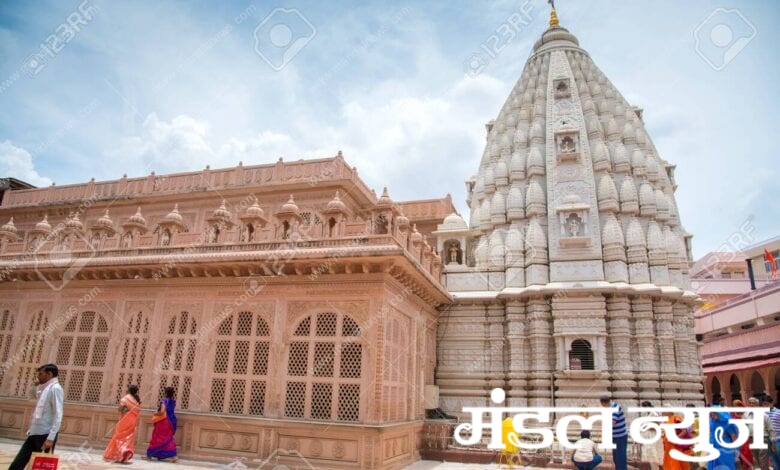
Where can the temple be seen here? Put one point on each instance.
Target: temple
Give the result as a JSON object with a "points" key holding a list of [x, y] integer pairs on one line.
{"points": [[295, 311]]}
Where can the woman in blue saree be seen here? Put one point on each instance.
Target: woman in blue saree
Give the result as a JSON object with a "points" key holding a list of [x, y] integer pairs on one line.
{"points": [[719, 426], [163, 443]]}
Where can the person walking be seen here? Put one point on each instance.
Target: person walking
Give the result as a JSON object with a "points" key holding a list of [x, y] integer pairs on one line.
{"points": [[619, 433], [121, 447], [163, 443], [47, 417]]}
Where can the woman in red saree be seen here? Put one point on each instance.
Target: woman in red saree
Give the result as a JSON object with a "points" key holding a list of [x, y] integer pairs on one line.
{"points": [[163, 444], [122, 444], [745, 456]]}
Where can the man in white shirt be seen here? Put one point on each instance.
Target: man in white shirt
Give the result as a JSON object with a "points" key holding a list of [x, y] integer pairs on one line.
{"points": [[586, 456], [47, 417]]}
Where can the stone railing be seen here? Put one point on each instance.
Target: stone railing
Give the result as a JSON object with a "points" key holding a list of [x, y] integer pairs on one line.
{"points": [[311, 171]]}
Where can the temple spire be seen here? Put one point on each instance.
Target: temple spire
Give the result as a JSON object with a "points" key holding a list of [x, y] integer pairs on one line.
{"points": [[553, 14]]}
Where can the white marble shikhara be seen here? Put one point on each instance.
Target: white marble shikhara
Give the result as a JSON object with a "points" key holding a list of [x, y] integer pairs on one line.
{"points": [[570, 279]]}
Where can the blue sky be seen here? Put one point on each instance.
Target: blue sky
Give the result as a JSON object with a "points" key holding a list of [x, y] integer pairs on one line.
{"points": [[174, 86]]}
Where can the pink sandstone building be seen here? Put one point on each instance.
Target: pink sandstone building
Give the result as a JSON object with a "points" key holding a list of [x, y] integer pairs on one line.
{"points": [[738, 326], [297, 312]]}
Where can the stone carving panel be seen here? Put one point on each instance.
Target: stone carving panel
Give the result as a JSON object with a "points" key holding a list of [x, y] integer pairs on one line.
{"points": [[241, 442], [562, 271]]}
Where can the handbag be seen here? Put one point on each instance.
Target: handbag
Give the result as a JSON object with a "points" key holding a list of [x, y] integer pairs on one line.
{"points": [[44, 461], [159, 416]]}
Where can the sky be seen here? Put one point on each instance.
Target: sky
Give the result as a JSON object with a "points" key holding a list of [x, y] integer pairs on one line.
{"points": [[98, 89]]}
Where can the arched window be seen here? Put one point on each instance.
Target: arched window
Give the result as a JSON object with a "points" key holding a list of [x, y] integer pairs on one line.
{"points": [[241, 359], [382, 223], [31, 349], [178, 363], [331, 227], [324, 369], [81, 356], [6, 335], [581, 355], [134, 343]]}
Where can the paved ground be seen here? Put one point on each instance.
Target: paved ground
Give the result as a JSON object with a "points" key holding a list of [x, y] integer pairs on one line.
{"points": [[73, 458]]}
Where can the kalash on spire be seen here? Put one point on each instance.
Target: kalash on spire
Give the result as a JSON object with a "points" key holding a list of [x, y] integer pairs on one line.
{"points": [[574, 250], [553, 14]]}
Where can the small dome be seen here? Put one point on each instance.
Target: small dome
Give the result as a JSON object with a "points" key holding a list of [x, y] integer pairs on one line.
{"points": [[555, 35], [641, 137], [539, 109], [105, 221], [515, 201], [174, 216], [652, 168], [594, 126], [501, 173], [490, 180], [498, 205], [619, 109], [74, 223], [537, 132], [534, 237], [628, 190], [607, 193], [646, 195], [638, 161], [289, 207], [620, 158], [612, 129], [222, 213], [383, 201], [613, 233], [474, 216], [9, 227], [587, 106], [673, 244], [137, 218], [655, 239], [453, 222], [254, 211], [517, 164], [43, 225], [635, 236], [600, 156], [535, 162], [336, 204], [629, 136], [521, 137]]}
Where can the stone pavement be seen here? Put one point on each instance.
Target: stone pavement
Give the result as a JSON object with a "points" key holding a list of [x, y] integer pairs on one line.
{"points": [[74, 458]]}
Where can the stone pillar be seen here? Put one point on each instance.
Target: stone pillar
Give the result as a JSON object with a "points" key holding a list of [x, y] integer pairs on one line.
{"points": [[619, 349], [517, 326], [495, 342], [646, 354], [689, 373], [540, 339], [666, 351]]}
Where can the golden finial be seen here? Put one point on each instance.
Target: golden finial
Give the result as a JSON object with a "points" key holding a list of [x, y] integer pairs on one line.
{"points": [[553, 14]]}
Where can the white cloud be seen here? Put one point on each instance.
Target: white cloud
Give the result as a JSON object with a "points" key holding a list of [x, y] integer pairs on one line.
{"points": [[16, 162]]}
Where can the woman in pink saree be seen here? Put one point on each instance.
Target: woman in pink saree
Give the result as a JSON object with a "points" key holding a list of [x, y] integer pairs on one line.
{"points": [[163, 445], [122, 444]]}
